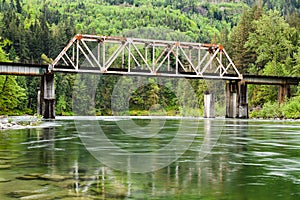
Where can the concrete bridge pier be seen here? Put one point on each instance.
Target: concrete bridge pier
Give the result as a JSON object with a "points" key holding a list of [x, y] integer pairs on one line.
{"points": [[236, 99], [243, 100], [231, 99], [209, 108], [46, 99]]}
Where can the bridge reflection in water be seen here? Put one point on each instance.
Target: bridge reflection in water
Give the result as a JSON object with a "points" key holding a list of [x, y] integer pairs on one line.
{"points": [[245, 162]]}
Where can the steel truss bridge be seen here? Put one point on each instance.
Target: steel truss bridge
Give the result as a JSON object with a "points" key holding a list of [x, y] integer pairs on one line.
{"points": [[132, 56], [145, 57]]}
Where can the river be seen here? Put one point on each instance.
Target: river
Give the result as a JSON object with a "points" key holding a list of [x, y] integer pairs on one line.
{"points": [[161, 158]]}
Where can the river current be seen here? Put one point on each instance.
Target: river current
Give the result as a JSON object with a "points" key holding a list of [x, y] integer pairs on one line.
{"points": [[151, 158]]}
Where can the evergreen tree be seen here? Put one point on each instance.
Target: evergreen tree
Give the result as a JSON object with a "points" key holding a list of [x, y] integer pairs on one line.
{"points": [[11, 94], [238, 38], [32, 83], [296, 68], [18, 6], [271, 40], [3, 54], [241, 55]]}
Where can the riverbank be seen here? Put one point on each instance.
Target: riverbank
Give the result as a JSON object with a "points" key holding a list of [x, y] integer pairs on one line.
{"points": [[7, 125], [19, 122]]}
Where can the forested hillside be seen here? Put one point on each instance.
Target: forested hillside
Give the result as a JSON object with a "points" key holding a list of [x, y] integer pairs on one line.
{"points": [[262, 37]]}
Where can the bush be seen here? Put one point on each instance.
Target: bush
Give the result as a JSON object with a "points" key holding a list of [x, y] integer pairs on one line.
{"points": [[269, 110], [291, 109]]}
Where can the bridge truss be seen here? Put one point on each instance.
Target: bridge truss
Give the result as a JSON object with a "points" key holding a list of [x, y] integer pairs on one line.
{"points": [[132, 56]]}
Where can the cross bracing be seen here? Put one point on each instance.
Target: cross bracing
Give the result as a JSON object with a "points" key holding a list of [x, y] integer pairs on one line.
{"points": [[133, 56]]}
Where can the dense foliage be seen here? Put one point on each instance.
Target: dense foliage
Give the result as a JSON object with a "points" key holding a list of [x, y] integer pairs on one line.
{"points": [[262, 37]]}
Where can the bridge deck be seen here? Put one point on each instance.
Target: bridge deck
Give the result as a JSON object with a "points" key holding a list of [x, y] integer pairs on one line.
{"points": [[270, 80], [139, 72], [22, 69], [39, 70]]}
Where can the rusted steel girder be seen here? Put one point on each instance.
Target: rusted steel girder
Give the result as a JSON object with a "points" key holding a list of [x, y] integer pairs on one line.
{"points": [[132, 56]]}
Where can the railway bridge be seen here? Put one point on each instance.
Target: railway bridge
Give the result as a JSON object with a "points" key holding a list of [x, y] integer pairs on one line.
{"points": [[145, 57]]}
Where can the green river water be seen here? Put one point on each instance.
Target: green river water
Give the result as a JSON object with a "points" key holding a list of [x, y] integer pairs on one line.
{"points": [[193, 159]]}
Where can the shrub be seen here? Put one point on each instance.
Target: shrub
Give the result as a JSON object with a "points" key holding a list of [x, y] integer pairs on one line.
{"points": [[269, 110], [291, 109]]}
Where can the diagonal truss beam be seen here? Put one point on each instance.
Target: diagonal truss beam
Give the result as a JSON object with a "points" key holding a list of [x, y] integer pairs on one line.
{"points": [[132, 56]]}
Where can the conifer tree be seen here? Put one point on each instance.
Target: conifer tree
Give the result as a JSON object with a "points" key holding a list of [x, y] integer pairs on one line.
{"points": [[243, 56], [271, 40], [11, 94]]}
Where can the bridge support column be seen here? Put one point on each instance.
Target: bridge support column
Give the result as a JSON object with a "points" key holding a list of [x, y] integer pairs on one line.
{"points": [[209, 107], [237, 99], [231, 99], [46, 105], [243, 100], [284, 91]]}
